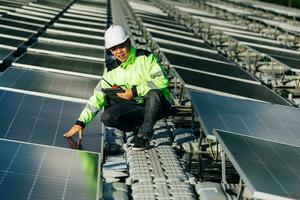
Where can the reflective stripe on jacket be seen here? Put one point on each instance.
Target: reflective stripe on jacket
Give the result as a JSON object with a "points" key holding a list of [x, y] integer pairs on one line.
{"points": [[141, 73]]}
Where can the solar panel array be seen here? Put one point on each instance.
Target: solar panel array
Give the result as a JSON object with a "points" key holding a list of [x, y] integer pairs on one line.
{"points": [[197, 64], [43, 92], [252, 119]]}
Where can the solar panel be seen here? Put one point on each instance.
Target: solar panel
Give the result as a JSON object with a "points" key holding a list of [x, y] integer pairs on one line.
{"points": [[184, 40], [10, 42], [99, 26], [23, 19], [290, 59], [60, 63], [19, 25], [218, 68], [40, 172], [231, 87], [190, 52], [264, 120], [73, 38], [48, 83], [283, 52], [291, 62], [78, 30], [168, 24], [43, 120], [258, 40], [11, 32], [269, 169], [74, 51]]}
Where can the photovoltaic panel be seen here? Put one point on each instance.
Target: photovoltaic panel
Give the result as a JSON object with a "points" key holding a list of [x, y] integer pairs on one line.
{"points": [[230, 70], [83, 17], [292, 60], [204, 54], [269, 169], [284, 52], [168, 24], [23, 19], [167, 30], [40, 172], [192, 51], [73, 38], [60, 63], [43, 121], [18, 33], [268, 121], [99, 26], [20, 25], [10, 42], [175, 38], [78, 30], [267, 42], [75, 51], [229, 86], [48, 83]]}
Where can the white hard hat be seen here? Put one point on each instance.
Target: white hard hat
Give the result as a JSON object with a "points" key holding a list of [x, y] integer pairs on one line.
{"points": [[115, 35]]}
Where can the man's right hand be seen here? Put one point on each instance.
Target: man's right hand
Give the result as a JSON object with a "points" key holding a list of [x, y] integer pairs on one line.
{"points": [[75, 129]]}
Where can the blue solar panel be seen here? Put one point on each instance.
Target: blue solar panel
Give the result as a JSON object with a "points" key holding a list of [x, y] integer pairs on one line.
{"points": [[38, 172], [264, 120], [43, 120]]}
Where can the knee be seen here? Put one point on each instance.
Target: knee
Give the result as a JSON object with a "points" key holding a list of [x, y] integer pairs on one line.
{"points": [[107, 118], [155, 95]]}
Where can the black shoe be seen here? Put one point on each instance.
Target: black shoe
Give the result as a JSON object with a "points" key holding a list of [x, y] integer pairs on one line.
{"points": [[140, 143]]}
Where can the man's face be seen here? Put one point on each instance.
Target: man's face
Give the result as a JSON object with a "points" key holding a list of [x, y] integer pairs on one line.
{"points": [[121, 51]]}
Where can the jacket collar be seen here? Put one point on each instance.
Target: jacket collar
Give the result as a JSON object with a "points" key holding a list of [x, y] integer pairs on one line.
{"points": [[130, 60]]}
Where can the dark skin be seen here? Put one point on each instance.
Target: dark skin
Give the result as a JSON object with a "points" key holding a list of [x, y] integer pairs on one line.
{"points": [[120, 52]]}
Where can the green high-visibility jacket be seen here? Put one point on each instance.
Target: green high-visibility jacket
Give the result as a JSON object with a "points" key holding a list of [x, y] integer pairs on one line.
{"points": [[141, 73]]}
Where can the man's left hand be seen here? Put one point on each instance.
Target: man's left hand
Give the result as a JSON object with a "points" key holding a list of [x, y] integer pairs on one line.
{"points": [[126, 95]]}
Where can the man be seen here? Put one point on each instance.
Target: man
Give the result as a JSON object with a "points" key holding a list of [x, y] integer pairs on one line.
{"points": [[145, 99]]}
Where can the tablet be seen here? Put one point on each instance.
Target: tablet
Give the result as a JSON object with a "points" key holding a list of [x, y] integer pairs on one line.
{"points": [[112, 92]]}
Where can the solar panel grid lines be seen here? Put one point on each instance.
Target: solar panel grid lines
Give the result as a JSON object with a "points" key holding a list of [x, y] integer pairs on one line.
{"points": [[42, 120], [276, 174], [31, 171]]}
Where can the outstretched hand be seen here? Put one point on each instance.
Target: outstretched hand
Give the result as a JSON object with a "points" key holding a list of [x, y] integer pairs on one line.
{"points": [[126, 95], [75, 129]]}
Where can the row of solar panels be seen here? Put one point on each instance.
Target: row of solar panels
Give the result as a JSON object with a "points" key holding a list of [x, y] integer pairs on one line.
{"points": [[283, 23], [198, 64], [274, 49], [42, 93], [261, 139]]}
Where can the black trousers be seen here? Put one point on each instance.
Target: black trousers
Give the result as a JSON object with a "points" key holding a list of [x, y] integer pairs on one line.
{"points": [[135, 117]]}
